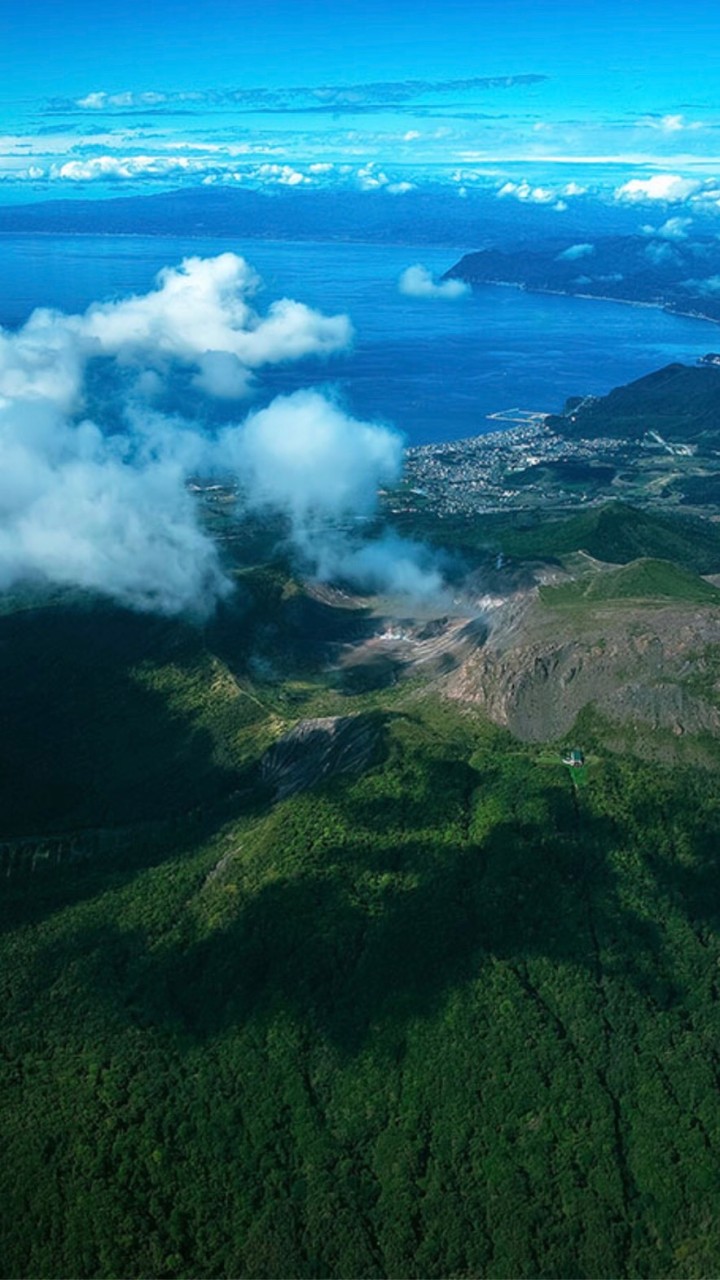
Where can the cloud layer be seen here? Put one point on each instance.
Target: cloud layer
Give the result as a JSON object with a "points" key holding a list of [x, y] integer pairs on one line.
{"points": [[108, 509], [376, 95]]}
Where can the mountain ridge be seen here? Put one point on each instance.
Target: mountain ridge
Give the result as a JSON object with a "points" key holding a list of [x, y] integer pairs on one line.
{"points": [[680, 275]]}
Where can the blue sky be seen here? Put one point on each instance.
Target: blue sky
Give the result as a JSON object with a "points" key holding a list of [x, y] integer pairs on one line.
{"points": [[525, 98]]}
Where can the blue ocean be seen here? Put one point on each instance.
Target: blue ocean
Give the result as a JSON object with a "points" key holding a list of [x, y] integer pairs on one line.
{"points": [[433, 368]]}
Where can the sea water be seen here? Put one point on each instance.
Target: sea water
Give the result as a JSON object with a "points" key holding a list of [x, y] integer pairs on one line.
{"points": [[434, 368]]}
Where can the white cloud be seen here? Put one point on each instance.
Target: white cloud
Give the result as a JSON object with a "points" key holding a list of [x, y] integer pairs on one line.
{"points": [[417, 282], [198, 315], [576, 251], [386, 564], [220, 374], [201, 308], [400, 188], [370, 178], [526, 192], [109, 511], [80, 508], [100, 100], [208, 164], [92, 101], [668, 187], [41, 362], [673, 229], [118, 168], [284, 174], [304, 455], [674, 123]]}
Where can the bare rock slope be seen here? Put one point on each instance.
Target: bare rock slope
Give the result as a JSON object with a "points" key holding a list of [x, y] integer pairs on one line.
{"points": [[644, 664], [318, 749]]}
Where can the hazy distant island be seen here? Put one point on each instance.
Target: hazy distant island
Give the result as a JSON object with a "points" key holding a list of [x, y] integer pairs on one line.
{"points": [[298, 213], [661, 267]]}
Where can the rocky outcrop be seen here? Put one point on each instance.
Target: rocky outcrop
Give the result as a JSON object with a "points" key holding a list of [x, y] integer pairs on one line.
{"points": [[647, 666], [315, 750]]}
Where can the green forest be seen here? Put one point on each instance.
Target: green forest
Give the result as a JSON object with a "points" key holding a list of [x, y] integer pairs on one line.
{"points": [[453, 1016]]}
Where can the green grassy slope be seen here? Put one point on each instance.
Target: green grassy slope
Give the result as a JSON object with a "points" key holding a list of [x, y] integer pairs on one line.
{"points": [[447, 1018], [614, 532], [640, 580], [618, 533]]}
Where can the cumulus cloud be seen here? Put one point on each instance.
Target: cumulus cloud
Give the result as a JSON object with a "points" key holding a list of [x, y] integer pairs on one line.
{"points": [[108, 514], [667, 187], [673, 229], [525, 191], [213, 166], [113, 168], [199, 314], [371, 178], [576, 251], [554, 197], [284, 174], [107, 508], [417, 282], [220, 374], [304, 456]]}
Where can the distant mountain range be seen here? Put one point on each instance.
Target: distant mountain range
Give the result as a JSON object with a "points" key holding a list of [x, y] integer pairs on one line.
{"points": [[424, 215], [668, 270]]}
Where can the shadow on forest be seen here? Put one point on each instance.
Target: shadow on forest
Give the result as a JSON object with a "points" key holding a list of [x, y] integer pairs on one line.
{"points": [[84, 741], [351, 967], [374, 939], [293, 635], [90, 737], [100, 775]]}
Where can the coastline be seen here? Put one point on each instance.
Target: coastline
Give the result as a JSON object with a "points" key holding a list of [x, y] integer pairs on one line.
{"points": [[667, 308]]}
